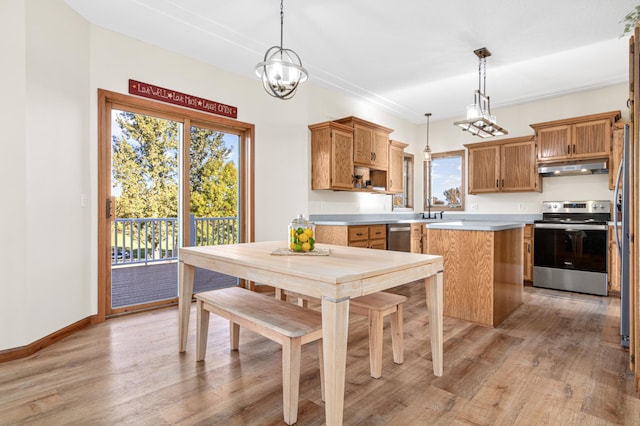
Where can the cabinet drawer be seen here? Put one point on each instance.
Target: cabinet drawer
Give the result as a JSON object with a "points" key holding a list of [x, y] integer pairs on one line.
{"points": [[528, 231], [378, 244], [377, 231], [358, 233], [363, 244], [416, 230]]}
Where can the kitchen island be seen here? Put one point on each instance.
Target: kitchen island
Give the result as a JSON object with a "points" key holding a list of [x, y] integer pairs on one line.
{"points": [[483, 268]]}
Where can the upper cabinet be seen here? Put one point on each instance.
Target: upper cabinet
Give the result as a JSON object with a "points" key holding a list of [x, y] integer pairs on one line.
{"points": [[395, 174], [370, 143], [586, 137], [507, 165], [332, 156], [616, 153], [349, 153]]}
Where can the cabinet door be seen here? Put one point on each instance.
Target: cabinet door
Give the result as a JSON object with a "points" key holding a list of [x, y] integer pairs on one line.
{"points": [[341, 159], [396, 170], [362, 144], [616, 155], [380, 149], [554, 143], [527, 261], [613, 268], [592, 139], [484, 169], [518, 167]]}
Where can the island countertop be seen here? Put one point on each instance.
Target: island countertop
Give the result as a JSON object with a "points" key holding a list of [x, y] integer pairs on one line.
{"points": [[470, 225]]}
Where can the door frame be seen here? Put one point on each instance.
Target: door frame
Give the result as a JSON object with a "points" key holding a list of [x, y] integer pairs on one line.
{"points": [[107, 101]]}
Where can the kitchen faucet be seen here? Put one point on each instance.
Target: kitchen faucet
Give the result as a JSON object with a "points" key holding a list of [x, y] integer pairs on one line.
{"points": [[435, 214]]}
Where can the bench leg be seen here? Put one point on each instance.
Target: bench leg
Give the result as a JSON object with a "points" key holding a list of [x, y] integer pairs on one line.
{"points": [[397, 335], [291, 350], [202, 331], [234, 336], [375, 343]]}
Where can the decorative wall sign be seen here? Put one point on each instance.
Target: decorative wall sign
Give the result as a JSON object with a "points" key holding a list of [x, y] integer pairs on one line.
{"points": [[171, 96]]}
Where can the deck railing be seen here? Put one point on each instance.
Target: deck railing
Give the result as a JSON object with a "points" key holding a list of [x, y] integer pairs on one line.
{"points": [[136, 241]]}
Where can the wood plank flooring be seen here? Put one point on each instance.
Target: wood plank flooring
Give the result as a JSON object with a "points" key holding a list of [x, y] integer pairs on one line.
{"points": [[556, 360]]}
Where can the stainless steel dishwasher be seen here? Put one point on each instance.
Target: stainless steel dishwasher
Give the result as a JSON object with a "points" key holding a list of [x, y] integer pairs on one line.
{"points": [[399, 237]]}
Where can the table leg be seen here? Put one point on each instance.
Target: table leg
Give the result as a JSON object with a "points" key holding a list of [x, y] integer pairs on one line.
{"points": [[433, 286], [335, 326], [185, 290]]}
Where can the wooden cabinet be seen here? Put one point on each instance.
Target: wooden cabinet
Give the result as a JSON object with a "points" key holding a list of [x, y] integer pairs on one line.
{"points": [[367, 236], [527, 253], [370, 143], [586, 137], [416, 238], [395, 184], [508, 165], [483, 273], [613, 267], [332, 156], [616, 153]]}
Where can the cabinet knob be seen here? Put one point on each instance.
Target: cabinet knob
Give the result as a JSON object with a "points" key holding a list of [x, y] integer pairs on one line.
{"points": [[497, 183], [568, 149]]}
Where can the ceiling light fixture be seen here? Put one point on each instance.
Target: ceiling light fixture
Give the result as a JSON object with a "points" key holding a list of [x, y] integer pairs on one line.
{"points": [[479, 120], [281, 71], [427, 149]]}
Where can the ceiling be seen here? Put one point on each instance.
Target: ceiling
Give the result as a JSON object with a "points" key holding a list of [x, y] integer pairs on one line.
{"points": [[408, 57]]}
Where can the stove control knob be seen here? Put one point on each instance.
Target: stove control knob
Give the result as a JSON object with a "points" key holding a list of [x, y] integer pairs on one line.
{"points": [[555, 206]]}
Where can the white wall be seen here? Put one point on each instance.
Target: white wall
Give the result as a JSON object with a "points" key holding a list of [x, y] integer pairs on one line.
{"points": [[45, 273], [54, 66]]}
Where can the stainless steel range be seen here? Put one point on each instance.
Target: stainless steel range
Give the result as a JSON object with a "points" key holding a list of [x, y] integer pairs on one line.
{"points": [[570, 248]]}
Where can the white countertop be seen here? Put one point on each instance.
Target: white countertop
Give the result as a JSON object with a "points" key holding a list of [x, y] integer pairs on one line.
{"points": [[469, 225]]}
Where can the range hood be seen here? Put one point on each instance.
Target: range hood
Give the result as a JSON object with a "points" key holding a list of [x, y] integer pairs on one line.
{"points": [[572, 169]]}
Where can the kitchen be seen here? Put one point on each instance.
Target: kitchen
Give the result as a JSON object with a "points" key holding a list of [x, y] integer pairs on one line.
{"points": [[100, 60]]}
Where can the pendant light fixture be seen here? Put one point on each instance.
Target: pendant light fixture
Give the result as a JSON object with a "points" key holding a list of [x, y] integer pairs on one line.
{"points": [[479, 120], [281, 71], [427, 149]]}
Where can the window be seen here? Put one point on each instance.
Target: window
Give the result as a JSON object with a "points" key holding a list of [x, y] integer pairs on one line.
{"points": [[444, 181], [404, 201]]}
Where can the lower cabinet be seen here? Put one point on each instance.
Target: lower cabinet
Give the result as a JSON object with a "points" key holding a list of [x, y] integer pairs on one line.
{"points": [[369, 236], [613, 267], [417, 230], [527, 253]]}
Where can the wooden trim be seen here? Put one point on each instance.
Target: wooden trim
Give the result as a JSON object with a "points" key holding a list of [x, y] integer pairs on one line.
{"points": [[31, 348], [500, 142], [611, 115]]}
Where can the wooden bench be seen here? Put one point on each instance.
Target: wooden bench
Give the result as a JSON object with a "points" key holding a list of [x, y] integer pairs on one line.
{"points": [[376, 306], [287, 324]]}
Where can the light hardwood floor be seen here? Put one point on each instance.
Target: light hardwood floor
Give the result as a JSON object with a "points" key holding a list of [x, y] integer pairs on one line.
{"points": [[555, 360]]}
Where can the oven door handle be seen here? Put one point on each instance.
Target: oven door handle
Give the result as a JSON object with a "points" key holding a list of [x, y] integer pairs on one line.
{"points": [[572, 227]]}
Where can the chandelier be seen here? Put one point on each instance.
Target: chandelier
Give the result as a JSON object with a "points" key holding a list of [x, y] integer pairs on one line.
{"points": [[479, 120], [281, 70]]}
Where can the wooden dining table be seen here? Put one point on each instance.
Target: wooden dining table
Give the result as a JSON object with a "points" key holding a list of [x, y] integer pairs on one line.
{"points": [[336, 276]]}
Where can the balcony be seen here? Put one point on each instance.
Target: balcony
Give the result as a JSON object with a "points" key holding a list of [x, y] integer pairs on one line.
{"points": [[144, 257]]}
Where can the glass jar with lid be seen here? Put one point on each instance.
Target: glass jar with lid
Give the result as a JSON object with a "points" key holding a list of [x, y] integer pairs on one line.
{"points": [[302, 235]]}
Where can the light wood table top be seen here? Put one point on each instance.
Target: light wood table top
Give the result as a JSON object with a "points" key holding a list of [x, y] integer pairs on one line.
{"points": [[346, 272]]}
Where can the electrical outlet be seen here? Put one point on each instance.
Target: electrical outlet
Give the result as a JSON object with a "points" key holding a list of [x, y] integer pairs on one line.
{"points": [[474, 207], [83, 200], [521, 206]]}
